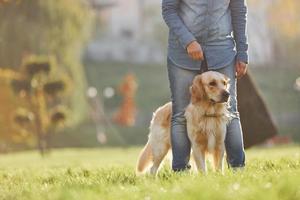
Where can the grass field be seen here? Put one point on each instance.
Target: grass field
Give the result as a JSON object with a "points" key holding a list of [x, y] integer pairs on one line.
{"points": [[85, 174]]}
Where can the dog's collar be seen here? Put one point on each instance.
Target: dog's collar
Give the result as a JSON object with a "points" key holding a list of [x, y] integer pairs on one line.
{"points": [[213, 115]]}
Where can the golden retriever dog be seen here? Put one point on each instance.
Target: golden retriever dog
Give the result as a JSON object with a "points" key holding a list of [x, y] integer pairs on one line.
{"points": [[207, 116]]}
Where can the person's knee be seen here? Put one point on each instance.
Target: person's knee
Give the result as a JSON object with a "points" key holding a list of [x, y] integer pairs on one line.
{"points": [[234, 115], [233, 109], [178, 118], [233, 103]]}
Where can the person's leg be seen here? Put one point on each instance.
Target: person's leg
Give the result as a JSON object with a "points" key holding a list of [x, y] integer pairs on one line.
{"points": [[234, 136], [180, 80]]}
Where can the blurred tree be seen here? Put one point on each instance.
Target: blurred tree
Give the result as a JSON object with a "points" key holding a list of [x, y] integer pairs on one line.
{"points": [[284, 18], [283, 12], [7, 106], [39, 88], [47, 27]]}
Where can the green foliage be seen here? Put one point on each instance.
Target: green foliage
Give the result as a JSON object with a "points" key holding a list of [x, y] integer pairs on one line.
{"points": [[39, 107], [270, 174], [284, 20], [46, 27], [23, 117]]}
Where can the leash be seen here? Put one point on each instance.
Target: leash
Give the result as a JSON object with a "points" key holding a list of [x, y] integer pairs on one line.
{"points": [[204, 65]]}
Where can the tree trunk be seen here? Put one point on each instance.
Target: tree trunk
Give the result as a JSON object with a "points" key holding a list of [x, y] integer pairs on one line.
{"points": [[42, 145]]}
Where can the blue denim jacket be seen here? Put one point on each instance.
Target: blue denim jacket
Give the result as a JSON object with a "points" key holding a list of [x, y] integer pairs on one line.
{"points": [[218, 25]]}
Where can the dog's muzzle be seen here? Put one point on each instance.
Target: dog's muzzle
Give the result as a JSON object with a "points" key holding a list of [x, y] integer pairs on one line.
{"points": [[225, 96]]}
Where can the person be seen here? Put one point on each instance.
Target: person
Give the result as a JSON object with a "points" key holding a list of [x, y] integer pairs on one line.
{"points": [[218, 29]]}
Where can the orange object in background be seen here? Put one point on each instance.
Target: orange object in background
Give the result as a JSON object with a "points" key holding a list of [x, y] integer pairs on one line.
{"points": [[279, 140], [127, 112]]}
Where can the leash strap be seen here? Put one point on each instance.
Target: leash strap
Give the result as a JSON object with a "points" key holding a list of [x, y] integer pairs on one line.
{"points": [[204, 65]]}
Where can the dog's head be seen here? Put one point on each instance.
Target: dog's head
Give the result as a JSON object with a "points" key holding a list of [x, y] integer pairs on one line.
{"points": [[210, 86]]}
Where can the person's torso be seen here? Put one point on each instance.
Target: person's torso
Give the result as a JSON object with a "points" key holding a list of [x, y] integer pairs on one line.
{"points": [[210, 22]]}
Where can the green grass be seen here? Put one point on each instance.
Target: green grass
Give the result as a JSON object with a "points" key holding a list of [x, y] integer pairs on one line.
{"points": [[109, 174]]}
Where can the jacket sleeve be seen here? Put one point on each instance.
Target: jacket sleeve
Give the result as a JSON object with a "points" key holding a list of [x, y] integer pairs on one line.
{"points": [[239, 18], [175, 23]]}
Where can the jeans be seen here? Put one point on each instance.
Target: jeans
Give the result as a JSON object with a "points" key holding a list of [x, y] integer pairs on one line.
{"points": [[180, 80]]}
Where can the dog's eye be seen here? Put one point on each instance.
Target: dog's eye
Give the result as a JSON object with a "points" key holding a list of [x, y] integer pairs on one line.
{"points": [[213, 83], [224, 82]]}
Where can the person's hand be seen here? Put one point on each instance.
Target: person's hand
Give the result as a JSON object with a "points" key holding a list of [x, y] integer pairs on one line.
{"points": [[195, 51], [241, 69]]}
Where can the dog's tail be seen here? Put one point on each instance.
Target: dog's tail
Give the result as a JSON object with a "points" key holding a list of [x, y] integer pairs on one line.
{"points": [[145, 159]]}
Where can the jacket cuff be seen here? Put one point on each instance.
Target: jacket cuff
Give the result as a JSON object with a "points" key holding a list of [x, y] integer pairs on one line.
{"points": [[186, 39], [242, 56]]}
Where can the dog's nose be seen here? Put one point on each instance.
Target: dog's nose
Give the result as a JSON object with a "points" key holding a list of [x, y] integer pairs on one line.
{"points": [[226, 95]]}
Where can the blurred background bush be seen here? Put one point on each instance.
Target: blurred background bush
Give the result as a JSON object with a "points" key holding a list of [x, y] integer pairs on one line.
{"points": [[97, 43], [38, 27]]}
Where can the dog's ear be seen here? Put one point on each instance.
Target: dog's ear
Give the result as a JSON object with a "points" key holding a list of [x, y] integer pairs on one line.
{"points": [[197, 90]]}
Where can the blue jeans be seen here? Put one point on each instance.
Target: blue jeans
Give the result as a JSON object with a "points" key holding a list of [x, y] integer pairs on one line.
{"points": [[180, 80]]}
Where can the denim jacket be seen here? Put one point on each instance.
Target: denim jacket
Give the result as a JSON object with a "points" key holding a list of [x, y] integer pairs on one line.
{"points": [[218, 25]]}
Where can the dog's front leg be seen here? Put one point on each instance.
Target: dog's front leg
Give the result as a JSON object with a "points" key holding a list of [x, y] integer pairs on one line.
{"points": [[218, 156], [219, 149], [197, 148], [199, 156]]}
